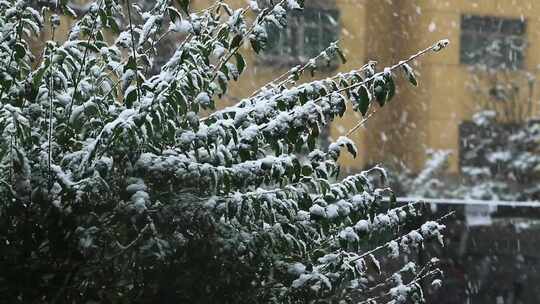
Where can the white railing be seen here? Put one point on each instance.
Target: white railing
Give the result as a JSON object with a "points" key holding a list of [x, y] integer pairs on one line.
{"points": [[452, 201]]}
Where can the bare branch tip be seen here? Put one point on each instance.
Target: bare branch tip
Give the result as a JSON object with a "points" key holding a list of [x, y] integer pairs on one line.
{"points": [[441, 44]]}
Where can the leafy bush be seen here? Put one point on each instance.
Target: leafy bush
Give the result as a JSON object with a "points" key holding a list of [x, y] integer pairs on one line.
{"points": [[500, 160], [427, 182], [118, 186]]}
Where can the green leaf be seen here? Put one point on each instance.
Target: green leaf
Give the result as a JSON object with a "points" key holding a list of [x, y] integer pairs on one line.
{"points": [[20, 51], [6, 83], [315, 130], [393, 198], [312, 70], [225, 71], [113, 25], [131, 64], [298, 145], [307, 170], [341, 105], [373, 264], [223, 34], [38, 76], [240, 63], [89, 46], [100, 38], [341, 55], [364, 99], [292, 135], [266, 164], [281, 105], [295, 72], [379, 89], [130, 98], [91, 108], [359, 185], [303, 97], [351, 148], [184, 5], [222, 85], [235, 42], [226, 183], [174, 14], [325, 186], [409, 72], [256, 45], [390, 88], [244, 154], [297, 168], [312, 142], [234, 135], [103, 16], [181, 102]]}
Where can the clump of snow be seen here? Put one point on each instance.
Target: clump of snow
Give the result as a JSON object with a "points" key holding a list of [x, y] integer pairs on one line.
{"points": [[297, 269], [394, 249], [317, 210], [362, 226], [437, 283], [181, 26], [332, 211], [349, 235]]}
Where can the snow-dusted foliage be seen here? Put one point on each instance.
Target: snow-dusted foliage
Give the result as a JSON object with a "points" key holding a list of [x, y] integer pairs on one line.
{"points": [[118, 186], [427, 182], [501, 159]]}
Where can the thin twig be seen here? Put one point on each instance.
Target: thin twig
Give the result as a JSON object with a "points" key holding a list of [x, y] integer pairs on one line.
{"points": [[392, 68], [414, 281], [361, 123]]}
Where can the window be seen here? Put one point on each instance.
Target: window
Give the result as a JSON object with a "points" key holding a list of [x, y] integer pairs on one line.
{"points": [[307, 34], [494, 42]]}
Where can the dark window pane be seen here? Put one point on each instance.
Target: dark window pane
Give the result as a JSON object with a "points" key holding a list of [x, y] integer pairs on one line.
{"points": [[491, 41], [472, 23], [309, 32], [489, 24], [513, 27], [322, 28], [277, 43], [312, 40]]}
